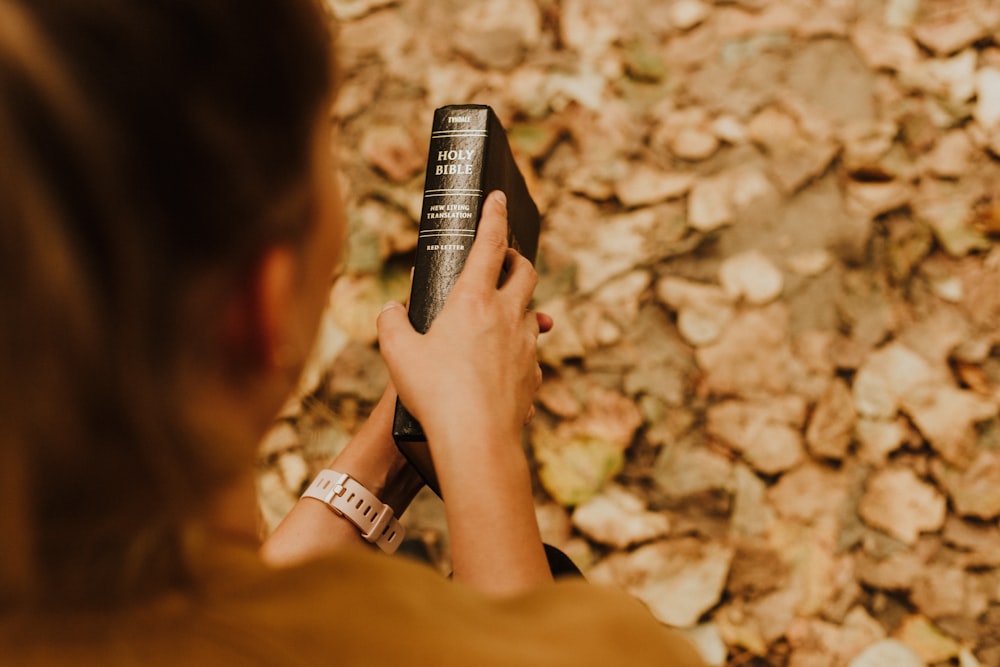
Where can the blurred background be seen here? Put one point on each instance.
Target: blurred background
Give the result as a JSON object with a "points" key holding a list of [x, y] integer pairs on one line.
{"points": [[770, 406]]}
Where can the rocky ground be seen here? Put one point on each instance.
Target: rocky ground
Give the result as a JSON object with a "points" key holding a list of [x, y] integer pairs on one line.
{"points": [[770, 406]]}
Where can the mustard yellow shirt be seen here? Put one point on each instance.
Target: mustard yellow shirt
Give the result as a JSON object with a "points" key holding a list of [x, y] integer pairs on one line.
{"points": [[354, 608]]}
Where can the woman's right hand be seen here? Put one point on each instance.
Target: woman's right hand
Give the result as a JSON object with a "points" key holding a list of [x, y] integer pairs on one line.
{"points": [[476, 368], [470, 381]]}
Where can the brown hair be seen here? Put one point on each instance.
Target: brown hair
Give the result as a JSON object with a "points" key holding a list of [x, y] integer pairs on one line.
{"points": [[144, 146]]}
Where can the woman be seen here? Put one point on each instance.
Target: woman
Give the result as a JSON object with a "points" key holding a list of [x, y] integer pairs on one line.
{"points": [[168, 226]]}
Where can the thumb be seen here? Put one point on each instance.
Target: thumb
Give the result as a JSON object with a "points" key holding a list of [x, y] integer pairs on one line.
{"points": [[394, 331]]}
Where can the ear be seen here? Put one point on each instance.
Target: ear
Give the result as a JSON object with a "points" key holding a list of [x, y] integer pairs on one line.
{"points": [[258, 332]]}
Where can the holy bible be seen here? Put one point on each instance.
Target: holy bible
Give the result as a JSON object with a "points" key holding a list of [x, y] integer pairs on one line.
{"points": [[469, 157]]}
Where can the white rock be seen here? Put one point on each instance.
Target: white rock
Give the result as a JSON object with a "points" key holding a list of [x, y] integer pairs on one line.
{"points": [[702, 325], [752, 276], [730, 129], [679, 580], [810, 262], [619, 518], [901, 13], [703, 310], [347, 10], [646, 185], [709, 206], [878, 438], [686, 14], [900, 504], [694, 144], [708, 642], [950, 156], [987, 111], [887, 653]]}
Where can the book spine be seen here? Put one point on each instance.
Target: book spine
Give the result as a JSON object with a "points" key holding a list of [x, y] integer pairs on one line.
{"points": [[453, 199]]}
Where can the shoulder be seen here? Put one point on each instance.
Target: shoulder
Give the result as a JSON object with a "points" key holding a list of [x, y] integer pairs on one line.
{"points": [[389, 610]]}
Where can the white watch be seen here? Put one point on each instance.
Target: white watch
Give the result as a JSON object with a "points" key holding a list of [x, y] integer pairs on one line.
{"points": [[350, 499]]}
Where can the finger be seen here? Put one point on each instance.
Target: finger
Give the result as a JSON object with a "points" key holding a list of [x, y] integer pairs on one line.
{"points": [[521, 279], [545, 322], [394, 330], [489, 249]]}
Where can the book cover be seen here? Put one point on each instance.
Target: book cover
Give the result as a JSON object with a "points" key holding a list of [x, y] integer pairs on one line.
{"points": [[469, 157]]}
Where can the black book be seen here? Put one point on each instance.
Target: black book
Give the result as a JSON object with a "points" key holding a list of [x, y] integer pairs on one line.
{"points": [[469, 157]]}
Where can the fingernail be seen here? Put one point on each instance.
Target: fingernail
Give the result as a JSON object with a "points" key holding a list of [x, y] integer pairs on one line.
{"points": [[388, 305], [500, 199]]}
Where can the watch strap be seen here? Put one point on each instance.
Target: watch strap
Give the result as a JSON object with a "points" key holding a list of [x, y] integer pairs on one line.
{"points": [[348, 498]]}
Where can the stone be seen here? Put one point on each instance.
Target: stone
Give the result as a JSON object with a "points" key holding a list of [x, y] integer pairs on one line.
{"points": [[753, 354], [887, 653], [752, 515], [987, 109], [810, 263], [496, 36], [831, 427], [871, 200], [901, 13], [896, 572], [554, 523], [883, 48], [679, 580], [940, 591], [574, 468], [979, 543], [645, 185], [349, 10], [926, 640], [580, 456], [692, 143], [686, 14], [355, 303], [688, 468], [808, 492], [766, 433], [840, 642], [617, 245], [974, 491], [730, 129], [951, 79], [558, 397], [866, 145], [359, 372], [564, 341], [951, 155], [955, 32], [619, 518], [751, 276], [877, 439], [709, 644], [900, 504], [391, 150], [947, 418], [709, 206], [703, 309], [829, 79]]}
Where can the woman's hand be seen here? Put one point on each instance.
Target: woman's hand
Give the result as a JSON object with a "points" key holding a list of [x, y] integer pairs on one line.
{"points": [[470, 382], [477, 365], [311, 530]]}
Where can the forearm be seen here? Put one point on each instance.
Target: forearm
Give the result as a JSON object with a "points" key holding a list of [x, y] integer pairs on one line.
{"points": [[311, 529], [495, 543]]}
